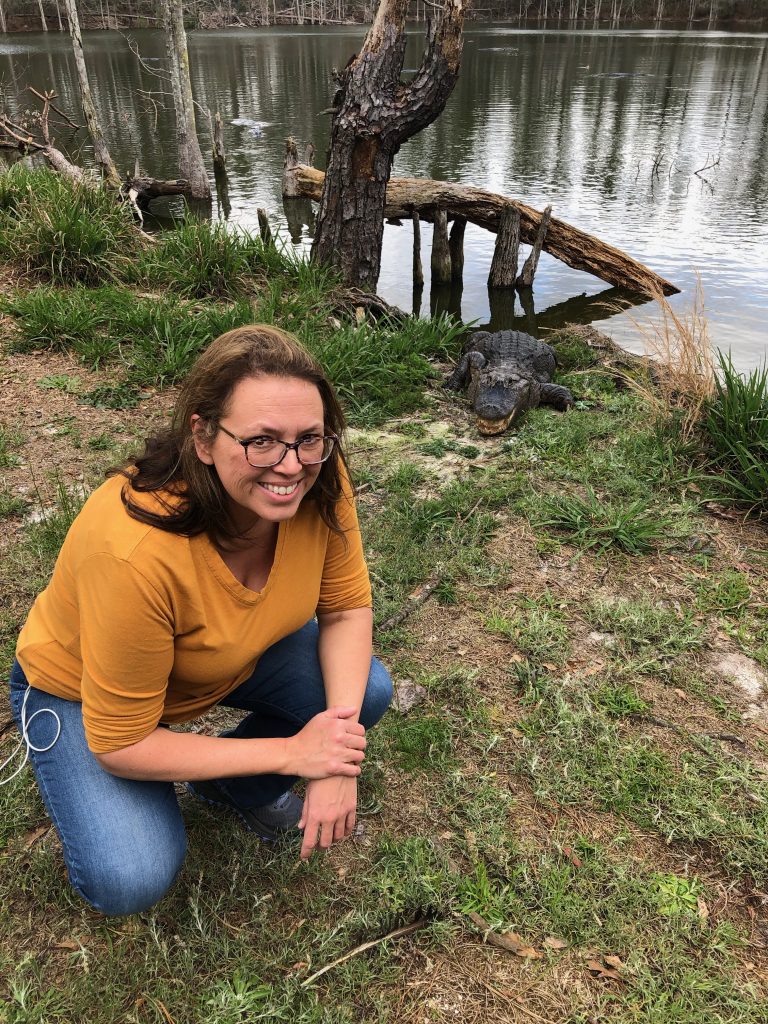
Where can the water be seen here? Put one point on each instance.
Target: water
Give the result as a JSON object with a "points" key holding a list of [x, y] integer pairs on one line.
{"points": [[607, 126]]}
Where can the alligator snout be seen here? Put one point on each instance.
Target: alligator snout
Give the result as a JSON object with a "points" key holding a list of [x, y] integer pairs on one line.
{"points": [[497, 407]]}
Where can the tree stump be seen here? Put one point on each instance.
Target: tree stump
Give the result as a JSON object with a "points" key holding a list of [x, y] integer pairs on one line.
{"points": [[264, 229], [418, 270], [504, 264], [456, 247], [219, 157], [290, 189], [441, 254], [529, 269]]}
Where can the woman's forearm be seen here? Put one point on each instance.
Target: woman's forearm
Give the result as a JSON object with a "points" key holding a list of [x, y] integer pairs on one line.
{"points": [[166, 756], [344, 650]]}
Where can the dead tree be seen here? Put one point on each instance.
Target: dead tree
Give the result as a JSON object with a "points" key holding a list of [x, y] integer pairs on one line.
{"points": [[191, 163], [373, 114], [100, 150]]}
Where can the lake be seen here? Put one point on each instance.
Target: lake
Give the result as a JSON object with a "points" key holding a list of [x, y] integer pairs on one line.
{"points": [[610, 127]]}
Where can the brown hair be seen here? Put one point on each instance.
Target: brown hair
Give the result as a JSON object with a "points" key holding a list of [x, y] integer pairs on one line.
{"points": [[190, 493]]}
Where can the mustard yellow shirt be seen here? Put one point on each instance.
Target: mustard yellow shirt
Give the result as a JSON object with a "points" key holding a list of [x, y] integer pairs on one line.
{"points": [[145, 626]]}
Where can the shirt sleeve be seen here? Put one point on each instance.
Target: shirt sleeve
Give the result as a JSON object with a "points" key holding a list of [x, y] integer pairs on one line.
{"points": [[345, 583], [127, 649]]}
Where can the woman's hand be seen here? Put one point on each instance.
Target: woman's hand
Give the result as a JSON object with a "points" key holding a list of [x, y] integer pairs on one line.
{"points": [[331, 743], [330, 808]]}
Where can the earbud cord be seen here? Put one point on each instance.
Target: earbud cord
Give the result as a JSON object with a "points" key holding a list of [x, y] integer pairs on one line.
{"points": [[25, 740]]}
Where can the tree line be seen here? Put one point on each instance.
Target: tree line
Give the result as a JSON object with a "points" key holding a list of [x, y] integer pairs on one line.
{"points": [[50, 15]]}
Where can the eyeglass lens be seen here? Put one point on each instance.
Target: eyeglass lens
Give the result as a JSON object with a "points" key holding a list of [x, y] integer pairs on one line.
{"points": [[268, 451]]}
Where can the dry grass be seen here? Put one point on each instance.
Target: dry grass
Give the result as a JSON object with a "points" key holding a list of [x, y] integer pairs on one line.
{"points": [[683, 376]]}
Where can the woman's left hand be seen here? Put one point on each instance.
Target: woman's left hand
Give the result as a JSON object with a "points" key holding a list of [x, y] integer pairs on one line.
{"points": [[330, 807]]}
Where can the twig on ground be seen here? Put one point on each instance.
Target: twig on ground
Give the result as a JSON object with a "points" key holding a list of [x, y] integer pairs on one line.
{"points": [[396, 934], [413, 602]]}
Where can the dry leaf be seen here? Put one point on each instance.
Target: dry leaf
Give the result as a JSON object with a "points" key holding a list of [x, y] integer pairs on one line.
{"points": [[681, 694], [602, 971], [516, 944], [551, 943], [36, 833], [613, 961], [66, 944], [703, 910], [518, 658], [571, 856]]}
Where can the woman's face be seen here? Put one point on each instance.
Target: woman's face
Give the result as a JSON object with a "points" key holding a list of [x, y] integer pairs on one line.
{"points": [[284, 408]]}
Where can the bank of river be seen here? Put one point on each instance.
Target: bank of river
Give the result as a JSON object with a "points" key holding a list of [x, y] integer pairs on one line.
{"points": [[608, 126]]}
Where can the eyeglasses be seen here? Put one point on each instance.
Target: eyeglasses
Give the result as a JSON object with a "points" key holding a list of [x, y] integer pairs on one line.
{"points": [[262, 452]]}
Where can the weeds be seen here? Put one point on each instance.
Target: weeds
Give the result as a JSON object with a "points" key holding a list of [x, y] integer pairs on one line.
{"points": [[602, 524], [736, 426], [64, 232], [681, 380]]}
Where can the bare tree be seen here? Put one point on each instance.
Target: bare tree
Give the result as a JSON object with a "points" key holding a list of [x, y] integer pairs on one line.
{"points": [[374, 113], [101, 152], [191, 164]]}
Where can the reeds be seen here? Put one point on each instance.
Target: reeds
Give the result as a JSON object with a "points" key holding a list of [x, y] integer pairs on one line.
{"points": [[681, 378]]}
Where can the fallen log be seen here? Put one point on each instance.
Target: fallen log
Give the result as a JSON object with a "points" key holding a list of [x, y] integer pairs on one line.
{"points": [[566, 243]]}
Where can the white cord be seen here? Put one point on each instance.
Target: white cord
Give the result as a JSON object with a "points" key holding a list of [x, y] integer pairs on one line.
{"points": [[25, 741]]}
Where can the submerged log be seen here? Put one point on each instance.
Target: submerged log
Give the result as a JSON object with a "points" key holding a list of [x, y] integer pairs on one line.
{"points": [[573, 247], [150, 188]]}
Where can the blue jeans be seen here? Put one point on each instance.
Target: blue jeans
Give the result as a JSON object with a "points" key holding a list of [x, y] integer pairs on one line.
{"points": [[124, 841]]}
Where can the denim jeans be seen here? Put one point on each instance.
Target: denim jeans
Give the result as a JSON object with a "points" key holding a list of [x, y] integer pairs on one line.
{"points": [[124, 841]]}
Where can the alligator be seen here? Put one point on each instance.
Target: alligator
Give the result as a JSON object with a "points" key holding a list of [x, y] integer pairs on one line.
{"points": [[505, 374]]}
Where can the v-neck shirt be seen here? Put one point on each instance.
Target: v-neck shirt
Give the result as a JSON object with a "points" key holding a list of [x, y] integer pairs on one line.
{"points": [[147, 627]]}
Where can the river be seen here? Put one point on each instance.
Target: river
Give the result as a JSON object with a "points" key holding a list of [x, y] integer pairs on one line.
{"points": [[610, 127]]}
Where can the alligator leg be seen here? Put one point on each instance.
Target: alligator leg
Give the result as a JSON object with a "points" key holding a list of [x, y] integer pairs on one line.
{"points": [[557, 395], [469, 361]]}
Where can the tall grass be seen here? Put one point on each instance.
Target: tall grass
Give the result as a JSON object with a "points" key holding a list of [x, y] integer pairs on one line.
{"points": [[682, 379], [64, 232], [736, 427]]}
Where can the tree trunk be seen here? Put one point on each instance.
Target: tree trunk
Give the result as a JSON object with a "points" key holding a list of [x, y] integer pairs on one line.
{"points": [[100, 150], [374, 114], [573, 247], [3, 26], [43, 22], [191, 164], [440, 262], [504, 264]]}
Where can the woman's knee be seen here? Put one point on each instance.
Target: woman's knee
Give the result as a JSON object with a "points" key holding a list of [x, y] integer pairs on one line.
{"points": [[378, 694], [131, 881]]}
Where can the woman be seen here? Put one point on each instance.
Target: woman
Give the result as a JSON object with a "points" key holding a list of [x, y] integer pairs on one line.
{"points": [[191, 578]]}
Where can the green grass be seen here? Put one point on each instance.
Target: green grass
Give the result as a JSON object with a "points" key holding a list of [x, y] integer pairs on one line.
{"points": [[62, 232], [736, 428], [600, 523]]}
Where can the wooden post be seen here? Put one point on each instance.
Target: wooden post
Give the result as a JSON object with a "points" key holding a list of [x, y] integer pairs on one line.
{"points": [[418, 270], [264, 229], [526, 278], [289, 168], [219, 157], [456, 247], [504, 264], [441, 256]]}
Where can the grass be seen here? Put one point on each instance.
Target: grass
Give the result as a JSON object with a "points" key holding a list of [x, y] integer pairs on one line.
{"points": [[683, 379], [532, 785], [736, 428]]}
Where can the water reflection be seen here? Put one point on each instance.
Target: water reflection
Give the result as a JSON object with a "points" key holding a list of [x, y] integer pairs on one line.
{"points": [[608, 127]]}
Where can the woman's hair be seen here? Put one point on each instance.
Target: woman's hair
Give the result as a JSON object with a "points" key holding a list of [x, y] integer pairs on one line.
{"points": [[190, 493]]}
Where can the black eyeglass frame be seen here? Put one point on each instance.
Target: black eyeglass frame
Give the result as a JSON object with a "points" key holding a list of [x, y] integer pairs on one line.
{"points": [[287, 446]]}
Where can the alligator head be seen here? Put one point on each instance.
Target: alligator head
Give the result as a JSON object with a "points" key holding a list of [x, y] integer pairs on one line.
{"points": [[500, 398]]}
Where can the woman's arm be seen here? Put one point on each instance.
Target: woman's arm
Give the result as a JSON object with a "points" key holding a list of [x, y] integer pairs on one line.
{"points": [[344, 650], [330, 744]]}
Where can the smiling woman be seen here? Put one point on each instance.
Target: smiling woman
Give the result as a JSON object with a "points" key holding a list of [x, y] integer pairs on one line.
{"points": [[222, 565]]}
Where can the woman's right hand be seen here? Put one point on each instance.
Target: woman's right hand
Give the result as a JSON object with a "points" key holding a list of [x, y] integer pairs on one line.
{"points": [[329, 744]]}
